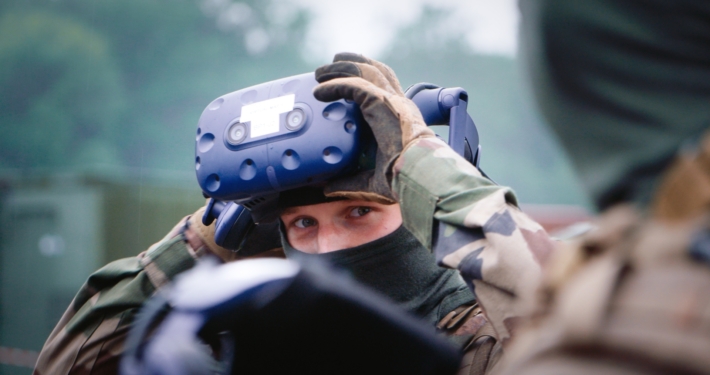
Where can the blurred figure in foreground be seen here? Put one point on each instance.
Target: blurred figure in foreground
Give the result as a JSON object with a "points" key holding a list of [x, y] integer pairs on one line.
{"points": [[626, 86]]}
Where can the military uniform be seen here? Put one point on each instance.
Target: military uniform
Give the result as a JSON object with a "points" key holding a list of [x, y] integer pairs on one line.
{"points": [[90, 336], [481, 232], [630, 297]]}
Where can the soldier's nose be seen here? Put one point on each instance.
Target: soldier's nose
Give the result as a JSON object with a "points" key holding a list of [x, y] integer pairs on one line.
{"points": [[329, 239]]}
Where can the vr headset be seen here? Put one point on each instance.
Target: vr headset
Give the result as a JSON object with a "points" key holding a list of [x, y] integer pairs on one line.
{"points": [[257, 142]]}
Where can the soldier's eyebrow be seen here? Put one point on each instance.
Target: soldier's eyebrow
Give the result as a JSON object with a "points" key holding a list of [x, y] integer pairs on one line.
{"points": [[289, 211]]}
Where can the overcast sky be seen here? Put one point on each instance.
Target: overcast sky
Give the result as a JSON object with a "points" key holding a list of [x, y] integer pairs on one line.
{"points": [[368, 26]]}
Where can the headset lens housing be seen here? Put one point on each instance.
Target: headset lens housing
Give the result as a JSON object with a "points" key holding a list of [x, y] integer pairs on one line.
{"points": [[295, 119], [237, 133]]}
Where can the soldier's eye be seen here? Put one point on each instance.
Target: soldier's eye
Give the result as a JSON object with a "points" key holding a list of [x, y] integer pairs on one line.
{"points": [[360, 211], [304, 222]]}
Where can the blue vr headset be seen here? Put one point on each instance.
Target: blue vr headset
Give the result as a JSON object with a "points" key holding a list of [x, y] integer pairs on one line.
{"points": [[257, 142]]}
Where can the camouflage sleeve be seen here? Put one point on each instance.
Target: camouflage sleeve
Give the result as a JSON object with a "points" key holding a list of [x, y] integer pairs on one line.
{"points": [[479, 229], [90, 335]]}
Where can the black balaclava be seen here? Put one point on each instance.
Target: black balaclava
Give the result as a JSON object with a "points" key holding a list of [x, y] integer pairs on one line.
{"points": [[398, 266]]}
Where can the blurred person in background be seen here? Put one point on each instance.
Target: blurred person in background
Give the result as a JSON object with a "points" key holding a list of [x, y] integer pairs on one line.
{"points": [[626, 87]]}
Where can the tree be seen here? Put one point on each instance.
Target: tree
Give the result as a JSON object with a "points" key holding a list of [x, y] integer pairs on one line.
{"points": [[60, 92]]}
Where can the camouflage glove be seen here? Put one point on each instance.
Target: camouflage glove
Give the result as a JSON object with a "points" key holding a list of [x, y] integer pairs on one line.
{"points": [[395, 120]]}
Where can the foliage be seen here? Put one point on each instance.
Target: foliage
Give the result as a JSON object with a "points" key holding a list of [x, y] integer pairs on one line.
{"points": [[57, 83], [518, 150]]}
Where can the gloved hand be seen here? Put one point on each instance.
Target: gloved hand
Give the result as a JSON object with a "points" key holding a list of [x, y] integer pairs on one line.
{"points": [[200, 237], [201, 240], [395, 120]]}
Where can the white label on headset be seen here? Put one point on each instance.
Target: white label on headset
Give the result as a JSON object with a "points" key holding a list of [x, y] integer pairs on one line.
{"points": [[264, 115]]}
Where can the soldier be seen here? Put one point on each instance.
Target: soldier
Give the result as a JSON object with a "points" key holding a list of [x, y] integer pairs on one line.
{"points": [[381, 225], [626, 86]]}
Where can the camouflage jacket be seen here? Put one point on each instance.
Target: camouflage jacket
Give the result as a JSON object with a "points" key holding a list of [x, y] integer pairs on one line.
{"points": [[482, 233], [479, 229], [89, 337]]}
